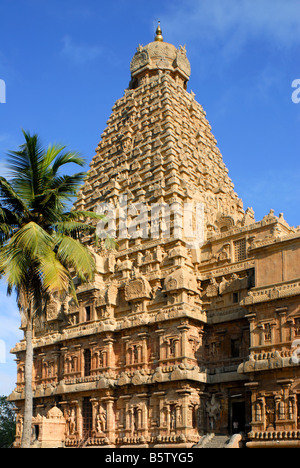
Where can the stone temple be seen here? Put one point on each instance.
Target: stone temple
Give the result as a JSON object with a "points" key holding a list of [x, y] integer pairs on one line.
{"points": [[192, 326]]}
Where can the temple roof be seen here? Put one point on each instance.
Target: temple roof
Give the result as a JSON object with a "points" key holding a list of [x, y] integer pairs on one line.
{"points": [[160, 55]]}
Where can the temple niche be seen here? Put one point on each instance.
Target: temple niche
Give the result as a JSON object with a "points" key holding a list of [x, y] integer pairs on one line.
{"points": [[191, 326]]}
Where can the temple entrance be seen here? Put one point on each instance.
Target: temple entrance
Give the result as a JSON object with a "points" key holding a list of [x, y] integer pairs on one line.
{"points": [[87, 417], [237, 417]]}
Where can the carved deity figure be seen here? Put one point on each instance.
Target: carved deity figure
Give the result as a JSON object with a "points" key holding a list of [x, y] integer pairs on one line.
{"points": [[71, 422], [101, 420], [270, 412], [213, 409], [19, 426], [258, 412]]}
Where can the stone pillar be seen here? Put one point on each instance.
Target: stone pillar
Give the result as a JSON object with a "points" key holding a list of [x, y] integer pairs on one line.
{"points": [[104, 359], [127, 354], [140, 418], [282, 314], [184, 341], [183, 396], [251, 317], [261, 335], [144, 347], [79, 417], [145, 415], [127, 417], [110, 417], [161, 347], [168, 413], [95, 406], [110, 361]]}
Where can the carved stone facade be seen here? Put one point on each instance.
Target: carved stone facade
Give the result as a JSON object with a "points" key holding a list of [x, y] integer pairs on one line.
{"points": [[172, 340]]}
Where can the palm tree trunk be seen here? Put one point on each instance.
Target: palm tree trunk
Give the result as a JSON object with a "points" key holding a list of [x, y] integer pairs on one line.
{"points": [[28, 407]]}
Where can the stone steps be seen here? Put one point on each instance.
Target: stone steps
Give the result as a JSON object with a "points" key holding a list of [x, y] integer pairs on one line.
{"points": [[213, 441]]}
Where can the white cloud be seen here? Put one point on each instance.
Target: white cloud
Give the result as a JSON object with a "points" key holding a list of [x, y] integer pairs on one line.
{"points": [[79, 53], [231, 23]]}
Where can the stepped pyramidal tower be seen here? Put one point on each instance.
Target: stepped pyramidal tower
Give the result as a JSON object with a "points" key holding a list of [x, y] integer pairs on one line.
{"points": [[190, 326]]}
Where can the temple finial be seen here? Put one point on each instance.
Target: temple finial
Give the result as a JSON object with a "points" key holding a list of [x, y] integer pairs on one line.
{"points": [[159, 37]]}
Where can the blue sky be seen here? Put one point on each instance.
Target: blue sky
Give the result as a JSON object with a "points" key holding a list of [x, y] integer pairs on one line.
{"points": [[65, 63]]}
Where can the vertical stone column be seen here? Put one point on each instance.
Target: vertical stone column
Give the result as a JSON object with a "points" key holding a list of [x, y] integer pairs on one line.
{"points": [[184, 396], [282, 314], [160, 334], [110, 417], [157, 403], [251, 317], [110, 361], [76, 405], [127, 416], [184, 341], [145, 415], [252, 387], [126, 351], [104, 358], [80, 360], [144, 347], [65, 361], [140, 418], [168, 413], [95, 406], [261, 335]]}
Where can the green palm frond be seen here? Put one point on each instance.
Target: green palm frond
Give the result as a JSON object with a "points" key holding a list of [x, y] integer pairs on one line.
{"points": [[10, 199], [55, 277], [33, 240], [39, 238], [67, 158], [14, 265], [75, 256], [25, 167]]}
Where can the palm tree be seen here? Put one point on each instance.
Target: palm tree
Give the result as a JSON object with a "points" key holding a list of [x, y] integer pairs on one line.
{"points": [[40, 248]]}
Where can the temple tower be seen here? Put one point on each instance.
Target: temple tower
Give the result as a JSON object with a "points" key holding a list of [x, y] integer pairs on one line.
{"points": [[150, 356], [158, 147]]}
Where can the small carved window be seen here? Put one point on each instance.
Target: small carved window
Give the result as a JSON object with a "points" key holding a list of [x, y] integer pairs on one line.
{"points": [[135, 353], [73, 363], [236, 297], [235, 348], [87, 313], [297, 326], [173, 416], [172, 347], [239, 250]]}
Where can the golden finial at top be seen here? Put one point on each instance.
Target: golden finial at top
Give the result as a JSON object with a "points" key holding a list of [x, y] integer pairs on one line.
{"points": [[158, 36]]}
